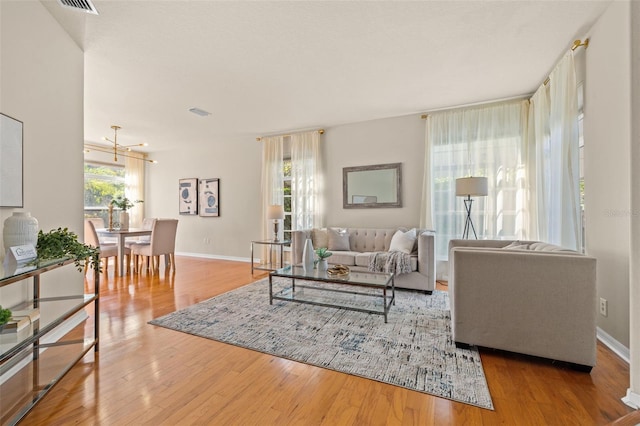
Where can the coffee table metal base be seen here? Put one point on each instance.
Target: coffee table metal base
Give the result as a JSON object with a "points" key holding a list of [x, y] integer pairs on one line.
{"points": [[289, 294]]}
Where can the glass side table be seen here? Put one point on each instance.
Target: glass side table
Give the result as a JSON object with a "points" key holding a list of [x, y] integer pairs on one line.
{"points": [[276, 254]]}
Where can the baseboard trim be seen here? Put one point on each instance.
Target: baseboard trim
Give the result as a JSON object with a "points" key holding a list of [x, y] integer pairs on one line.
{"points": [[216, 256], [632, 399], [52, 337], [617, 347]]}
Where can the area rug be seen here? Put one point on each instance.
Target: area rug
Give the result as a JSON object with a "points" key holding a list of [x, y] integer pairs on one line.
{"points": [[413, 350]]}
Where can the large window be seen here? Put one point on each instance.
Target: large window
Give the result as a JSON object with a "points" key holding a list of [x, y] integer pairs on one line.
{"points": [[286, 165], [487, 142], [102, 182]]}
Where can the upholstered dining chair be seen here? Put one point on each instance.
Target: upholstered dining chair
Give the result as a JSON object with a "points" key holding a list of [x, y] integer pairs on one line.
{"points": [[98, 223], [107, 250], [162, 243], [147, 223]]}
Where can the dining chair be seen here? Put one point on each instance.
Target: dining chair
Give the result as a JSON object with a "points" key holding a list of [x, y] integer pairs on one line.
{"points": [[147, 223], [107, 250], [98, 223], [161, 243]]}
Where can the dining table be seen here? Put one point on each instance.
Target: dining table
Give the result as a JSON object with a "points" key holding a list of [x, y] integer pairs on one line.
{"points": [[122, 235]]}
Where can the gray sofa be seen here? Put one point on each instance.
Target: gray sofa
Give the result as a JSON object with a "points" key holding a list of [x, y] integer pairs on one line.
{"points": [[364, 241], [526, 297]]}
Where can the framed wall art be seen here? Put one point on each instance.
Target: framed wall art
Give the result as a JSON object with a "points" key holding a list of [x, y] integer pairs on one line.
{"points": [[209, 197], [188, 196], [11, 173]]}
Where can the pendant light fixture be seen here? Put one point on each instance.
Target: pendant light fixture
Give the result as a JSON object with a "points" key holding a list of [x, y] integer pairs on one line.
{"points": [[118, 149]]}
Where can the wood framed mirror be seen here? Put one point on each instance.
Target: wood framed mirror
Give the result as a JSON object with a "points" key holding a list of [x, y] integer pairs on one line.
{"points": [[376, 186]]}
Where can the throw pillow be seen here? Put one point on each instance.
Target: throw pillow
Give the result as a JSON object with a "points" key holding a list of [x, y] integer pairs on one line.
{"points": [[338, 239], [403, 241], [319, 237]]}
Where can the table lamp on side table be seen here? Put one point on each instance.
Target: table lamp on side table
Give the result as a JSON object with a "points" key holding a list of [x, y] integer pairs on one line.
{"points": [[276, 213]]}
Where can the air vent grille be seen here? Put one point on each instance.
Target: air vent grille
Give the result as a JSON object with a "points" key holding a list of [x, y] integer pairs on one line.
{"points": [[83, 5]]}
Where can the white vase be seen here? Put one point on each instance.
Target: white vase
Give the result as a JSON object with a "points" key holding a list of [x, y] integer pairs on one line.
{"points": [[323, 265], [20, 229], [307, 255], [124, 220]]}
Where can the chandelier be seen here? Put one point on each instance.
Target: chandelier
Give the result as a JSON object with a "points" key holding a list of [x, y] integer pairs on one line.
{"points": [[118, 149]]}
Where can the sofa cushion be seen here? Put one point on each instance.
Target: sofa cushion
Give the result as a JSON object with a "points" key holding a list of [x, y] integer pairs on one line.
{"points": [[338, 239], [319, 238], [403, 241], [362, 259], [347, 258], [370, 239], [548, 247]]}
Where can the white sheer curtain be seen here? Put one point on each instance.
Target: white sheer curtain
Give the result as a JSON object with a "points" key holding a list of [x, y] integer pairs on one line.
{"points": [[306, 181], [555, 158], [487, 141], [426, 210], [272, 182], [134, 186]]}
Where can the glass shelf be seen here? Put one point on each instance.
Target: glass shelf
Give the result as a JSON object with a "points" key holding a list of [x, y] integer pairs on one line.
{"points": [[13, 342], [35, 358]]}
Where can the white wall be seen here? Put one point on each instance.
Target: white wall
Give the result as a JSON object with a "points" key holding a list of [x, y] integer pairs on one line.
{"points": [[635, 206], [41, 84], [238, 165], [607, 127], [389, 140]]}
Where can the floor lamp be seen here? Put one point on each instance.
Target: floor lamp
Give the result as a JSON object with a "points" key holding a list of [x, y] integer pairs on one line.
{"points": [[466, 187]]}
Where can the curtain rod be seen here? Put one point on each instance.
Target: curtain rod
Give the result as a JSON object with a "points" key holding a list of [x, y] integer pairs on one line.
{"points": [[320, 131], [482, 103], [576, 44]]}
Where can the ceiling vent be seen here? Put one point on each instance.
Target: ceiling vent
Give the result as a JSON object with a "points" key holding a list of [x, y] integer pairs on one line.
{"points": [[82, 5], [200, 112]]}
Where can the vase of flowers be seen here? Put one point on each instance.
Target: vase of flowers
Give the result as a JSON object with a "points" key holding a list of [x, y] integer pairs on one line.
{"points": [[322, 254], [123, 203]]}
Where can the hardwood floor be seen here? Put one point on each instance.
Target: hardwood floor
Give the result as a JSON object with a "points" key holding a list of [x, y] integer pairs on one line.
{"points": [[150, 375]]}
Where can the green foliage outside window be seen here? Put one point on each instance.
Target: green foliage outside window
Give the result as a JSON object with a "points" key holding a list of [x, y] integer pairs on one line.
{"points": [[102, 184]]}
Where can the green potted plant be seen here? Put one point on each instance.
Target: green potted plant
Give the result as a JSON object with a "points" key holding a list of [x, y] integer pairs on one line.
{"points": [[123, 203], [5, 316], [60, 243], [322, 254]]}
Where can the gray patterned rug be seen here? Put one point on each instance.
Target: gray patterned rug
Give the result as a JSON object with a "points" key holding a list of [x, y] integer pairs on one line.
{"points": [[413, 350]]}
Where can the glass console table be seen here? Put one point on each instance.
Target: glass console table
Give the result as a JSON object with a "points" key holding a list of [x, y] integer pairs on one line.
{"points": [[276, 254], [34, 358]]}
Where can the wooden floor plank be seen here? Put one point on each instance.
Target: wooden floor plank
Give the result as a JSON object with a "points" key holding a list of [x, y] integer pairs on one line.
{"points": [[146, 374]]}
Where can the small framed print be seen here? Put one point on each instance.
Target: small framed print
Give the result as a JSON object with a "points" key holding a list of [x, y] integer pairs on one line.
{"points": [[209, 197], [188, 196]]}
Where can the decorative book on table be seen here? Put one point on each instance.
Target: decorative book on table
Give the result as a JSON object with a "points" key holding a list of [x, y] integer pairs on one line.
{"points": [[20, 319]]}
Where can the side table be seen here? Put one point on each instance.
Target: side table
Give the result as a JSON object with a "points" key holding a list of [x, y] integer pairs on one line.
{"points": [[272, 264]]}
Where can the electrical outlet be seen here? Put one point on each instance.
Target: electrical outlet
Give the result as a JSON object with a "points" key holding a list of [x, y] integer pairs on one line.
{"points": [[603, 307]]}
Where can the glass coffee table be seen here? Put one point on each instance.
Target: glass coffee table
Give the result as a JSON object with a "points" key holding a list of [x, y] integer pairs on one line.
{"points": [[357, 291]]}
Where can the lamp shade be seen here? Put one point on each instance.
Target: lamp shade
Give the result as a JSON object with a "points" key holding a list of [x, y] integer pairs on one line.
{"points": [[275, 212], [468, 186]]}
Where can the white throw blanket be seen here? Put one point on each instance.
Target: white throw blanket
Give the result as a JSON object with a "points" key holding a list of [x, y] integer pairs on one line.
{"points": [[392, 261]]}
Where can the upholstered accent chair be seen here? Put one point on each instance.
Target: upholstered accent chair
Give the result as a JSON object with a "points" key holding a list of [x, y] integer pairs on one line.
{"points": [[528, 297], [161, 243]]}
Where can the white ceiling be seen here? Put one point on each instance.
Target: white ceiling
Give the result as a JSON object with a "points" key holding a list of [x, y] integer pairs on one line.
{"points": [[268, 67]]}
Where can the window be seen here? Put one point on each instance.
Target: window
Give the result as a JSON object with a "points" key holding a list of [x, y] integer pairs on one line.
{"points": [[286, 165], [581, 151], [102, 182], [485, 141]]}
